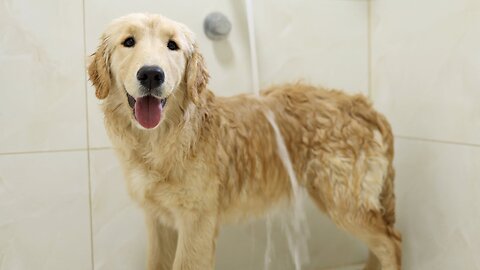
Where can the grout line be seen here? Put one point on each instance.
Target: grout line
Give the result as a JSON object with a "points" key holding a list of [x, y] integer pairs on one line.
{"points": [[358, 264], [44, 151], [56, 151], [100, 148], [90, 149], [412, 138], [253, 46], [92, 253], [369, 49]]}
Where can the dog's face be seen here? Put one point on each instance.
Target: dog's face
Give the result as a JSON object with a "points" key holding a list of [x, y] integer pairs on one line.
{"points": [[148, 57]]}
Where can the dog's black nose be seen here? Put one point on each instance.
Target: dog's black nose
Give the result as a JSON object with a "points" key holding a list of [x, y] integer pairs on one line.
{"points": [[150, 76]]}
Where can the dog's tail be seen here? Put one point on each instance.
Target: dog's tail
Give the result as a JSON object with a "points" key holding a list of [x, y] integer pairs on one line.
{"points": [[388, 197], [388, 193], [362, 110], [388, 202]]}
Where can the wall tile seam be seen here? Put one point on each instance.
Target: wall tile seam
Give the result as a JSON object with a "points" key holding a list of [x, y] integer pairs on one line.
{"points": [[87, 131], [421, 139], [66, 150], [369, 49]]}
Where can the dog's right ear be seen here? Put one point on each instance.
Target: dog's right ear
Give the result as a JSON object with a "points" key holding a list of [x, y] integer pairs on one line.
{"points": [[99, 70]]}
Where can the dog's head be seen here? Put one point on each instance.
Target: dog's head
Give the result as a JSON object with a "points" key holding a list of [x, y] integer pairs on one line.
{"points": [[146, 59]]}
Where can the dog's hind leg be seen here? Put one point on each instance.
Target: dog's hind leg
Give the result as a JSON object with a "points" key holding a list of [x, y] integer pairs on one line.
{"points": [[373, 226], [382, 240], [162, 243]]}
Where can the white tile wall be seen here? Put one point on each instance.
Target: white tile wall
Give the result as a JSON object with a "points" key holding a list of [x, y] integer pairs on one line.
{"points": [[119, 236], [438, 207], [42, 76], [424, 63], [44, 211], [323, 42], [426, 66]]}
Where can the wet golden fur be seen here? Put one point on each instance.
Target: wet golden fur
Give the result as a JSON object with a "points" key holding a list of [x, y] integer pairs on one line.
{"points": [[214, 159]]}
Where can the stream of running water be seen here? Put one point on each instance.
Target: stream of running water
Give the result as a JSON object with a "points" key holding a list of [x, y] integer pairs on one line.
{"points": [[294, 222]]}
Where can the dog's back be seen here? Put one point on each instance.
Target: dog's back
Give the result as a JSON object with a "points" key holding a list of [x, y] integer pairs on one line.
{"points": [[338, 143]]}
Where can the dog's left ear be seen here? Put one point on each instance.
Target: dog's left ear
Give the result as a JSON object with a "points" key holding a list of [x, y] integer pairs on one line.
{"points": [[99, 70], [196, 75]]}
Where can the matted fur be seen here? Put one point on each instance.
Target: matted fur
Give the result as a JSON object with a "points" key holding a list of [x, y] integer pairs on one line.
{"points": [[213, 159]]}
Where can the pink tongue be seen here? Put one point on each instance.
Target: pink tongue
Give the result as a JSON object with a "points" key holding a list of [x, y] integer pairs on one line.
{"points": [[148, 111]]}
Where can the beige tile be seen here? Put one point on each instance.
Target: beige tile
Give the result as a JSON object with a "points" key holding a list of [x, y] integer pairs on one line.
{"points": [[425, 67], [118, 225], [44, 211], [438, 205], [42, 75], [227, 61], [322, 42]]}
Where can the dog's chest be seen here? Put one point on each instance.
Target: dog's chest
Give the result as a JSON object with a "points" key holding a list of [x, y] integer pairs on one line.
{"points": [[188, 190]]}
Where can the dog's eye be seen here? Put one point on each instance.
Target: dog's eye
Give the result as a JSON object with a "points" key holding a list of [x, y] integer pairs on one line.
{"points": [[129, 42], [172, 45]]}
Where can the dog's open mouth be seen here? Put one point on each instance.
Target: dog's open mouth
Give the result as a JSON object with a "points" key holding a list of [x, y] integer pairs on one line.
{"points": [[147, 109]]}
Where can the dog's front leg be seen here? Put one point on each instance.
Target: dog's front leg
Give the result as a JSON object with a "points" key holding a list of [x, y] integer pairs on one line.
{"points": [[162, 243], [196, 242]]}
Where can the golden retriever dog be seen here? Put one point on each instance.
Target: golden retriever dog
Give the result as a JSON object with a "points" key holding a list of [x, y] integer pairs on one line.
{"points": [[194, 161]]}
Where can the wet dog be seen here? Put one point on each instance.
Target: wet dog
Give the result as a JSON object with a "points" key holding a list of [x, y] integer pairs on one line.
{"points": [[194, 161]]}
